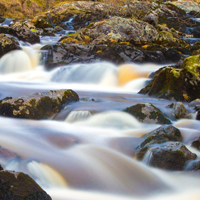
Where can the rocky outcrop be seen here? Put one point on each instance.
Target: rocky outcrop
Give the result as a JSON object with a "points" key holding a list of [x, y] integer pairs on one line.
{"points": [[17, 185], [37, 106], [181, 84], [7, 43], [147, 113], [21, 30], [114, 31]]}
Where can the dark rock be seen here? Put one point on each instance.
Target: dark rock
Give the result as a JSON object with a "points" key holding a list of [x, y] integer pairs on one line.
{"points": [[7, 44], [147, 113], [196, 143], [160, 135], [1, 168], [37, 106], [176, 84], [42, 23], [151, 19], [170, 156], [20, 186], [180, 112], [171, 55]]}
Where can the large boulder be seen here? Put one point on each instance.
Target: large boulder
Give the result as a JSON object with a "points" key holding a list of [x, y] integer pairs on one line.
{"points": [[147, 113], [116, 30], [160, 135], [19, 186], [181, 84], [37, 106], [7, 43]]}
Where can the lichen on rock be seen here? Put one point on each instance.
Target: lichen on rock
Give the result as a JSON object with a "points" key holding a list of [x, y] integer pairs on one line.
{"points": [[148, 113], [37, 106]]}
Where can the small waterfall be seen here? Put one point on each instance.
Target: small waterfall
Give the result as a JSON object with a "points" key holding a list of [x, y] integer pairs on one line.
{"points": [[69, 24], [112, 119], [94, 73], [78, 115], [15, 61]]}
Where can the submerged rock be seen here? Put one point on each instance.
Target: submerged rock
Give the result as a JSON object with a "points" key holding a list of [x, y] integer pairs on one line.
{"points": [[14, 185], [170, 156], [148, 113], [7, 43], [193, 166], [37, 106], [181, 84], [160, 135]]}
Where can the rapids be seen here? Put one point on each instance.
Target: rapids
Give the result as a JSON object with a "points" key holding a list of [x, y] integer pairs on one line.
{"points": [[87, 150]]}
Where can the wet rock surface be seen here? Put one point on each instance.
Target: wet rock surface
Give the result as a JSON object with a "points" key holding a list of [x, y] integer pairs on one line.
{"points": [[180, 112], [147, 113], [169, 156], [7, 43], [181, 84], [160, 135], [14, 185], [37, 106]]}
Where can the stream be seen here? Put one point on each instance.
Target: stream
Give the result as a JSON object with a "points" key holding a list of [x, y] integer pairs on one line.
{"points": [[85, 151]]}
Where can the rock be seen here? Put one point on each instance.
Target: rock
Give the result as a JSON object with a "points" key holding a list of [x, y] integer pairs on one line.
{"points": [[37, 106], [42, 23], [180, 112], [14, 185], [7, 43], [1, 168], [151, 19], [160, 135], [115, 30], [147, 113], [169, 156], [188, 6], [194, 103], [176, 84], [63, 54], [24, 33], [196, 143], [170, 39]]}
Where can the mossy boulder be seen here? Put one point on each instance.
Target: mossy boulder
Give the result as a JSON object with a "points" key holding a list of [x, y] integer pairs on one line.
{"points": [[116, 30], [181, 84], [169, 156], [171, 38], [160, 135], [37, 106], [8, 43], [20, 186], [147, 113]]}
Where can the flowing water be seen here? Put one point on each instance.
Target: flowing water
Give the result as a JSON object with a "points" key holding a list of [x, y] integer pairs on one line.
{"points": [[86, 151]]}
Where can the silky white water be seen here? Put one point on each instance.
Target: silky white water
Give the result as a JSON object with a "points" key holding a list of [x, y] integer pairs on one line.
{"points": [[87, 150]]}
